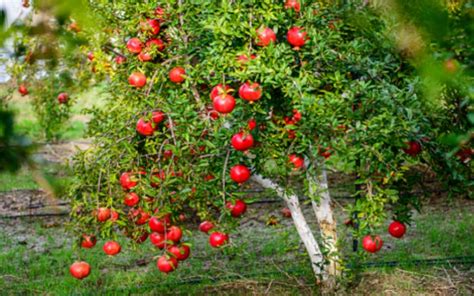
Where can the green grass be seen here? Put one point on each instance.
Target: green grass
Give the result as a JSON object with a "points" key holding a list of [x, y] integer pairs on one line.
{"points": [[24, 180], [433, 234], [25, 271], [20, 180], [257, 255]]}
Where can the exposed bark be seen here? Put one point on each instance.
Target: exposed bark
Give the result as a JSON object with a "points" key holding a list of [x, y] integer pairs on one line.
{"points": [[305, 233], [321, 203]]}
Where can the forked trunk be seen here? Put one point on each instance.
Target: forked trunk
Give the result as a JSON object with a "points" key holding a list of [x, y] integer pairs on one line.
{"points": [[305, 233]]}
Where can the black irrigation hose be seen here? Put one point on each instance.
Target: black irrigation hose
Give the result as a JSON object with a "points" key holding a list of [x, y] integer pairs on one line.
{"points": [[36, 215], [262, 201]]}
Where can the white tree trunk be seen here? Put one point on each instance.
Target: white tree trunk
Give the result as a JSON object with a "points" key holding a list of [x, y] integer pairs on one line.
{"points": [[321, 202], [312, 247]]}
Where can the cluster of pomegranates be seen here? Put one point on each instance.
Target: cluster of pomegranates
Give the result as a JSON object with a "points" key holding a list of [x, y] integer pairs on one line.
{"points": [[373, 244], [145, 51], [296, 36], [164, 235]]}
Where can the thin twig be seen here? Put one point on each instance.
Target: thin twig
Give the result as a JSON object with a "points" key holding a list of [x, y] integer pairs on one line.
{"points": [[172, 130], [268, 288], [110, 49], [224, 171], [151, 83], [181, 23]]}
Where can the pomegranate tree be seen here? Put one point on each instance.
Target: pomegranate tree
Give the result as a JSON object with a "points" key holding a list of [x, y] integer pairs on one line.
{"points": [[313, 92]]}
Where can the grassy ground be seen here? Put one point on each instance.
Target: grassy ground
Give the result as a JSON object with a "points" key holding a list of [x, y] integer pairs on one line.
{"points": [[20, 180], [35, 259], [57, 176]]}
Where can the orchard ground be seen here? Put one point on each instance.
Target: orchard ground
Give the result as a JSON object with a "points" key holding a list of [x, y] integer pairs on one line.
{"points": [[36, 251]]}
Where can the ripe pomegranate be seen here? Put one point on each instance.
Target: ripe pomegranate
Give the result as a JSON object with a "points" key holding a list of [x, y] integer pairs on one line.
{"points": [[464, 155], [167, 154], [372, 244], [158, 239], [213, 114], [397, 229], [22, 90], [90, 56], [159, 224], [342, 128], [177, 75], [114, 215], [332, 25], [120, 59], [160, 45], [296, 115], [80, 269], [167, 263], [180, 252], [156, 178], [157, 117], [205, 226], [111, 248], [209, 177], [293, 4], [239, 173], [127, 181], [242, 141], [296, 37], [286, 212], [252, 124], [265, 36], [159, 13], [134, 45], [451, 65], [224, 103], [413, 148], [250, 91], [219, 90], [292, 134], [140, 237], [218, 239], [297, 161], [88, 241], [145, 55], [137, 79], [145, 128], [174, 234], [74, 27], [289, 121], [131, 199], [325, 152], [139, 216], [63, 98], [151, 25], [103, 214], [237, 209]]}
